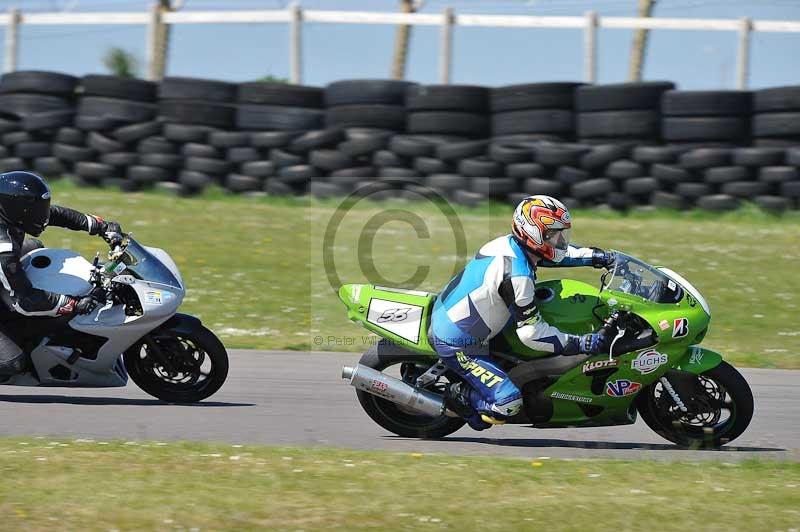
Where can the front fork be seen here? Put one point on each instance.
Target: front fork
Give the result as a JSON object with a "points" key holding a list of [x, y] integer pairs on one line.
{"points": [[680, 382]]}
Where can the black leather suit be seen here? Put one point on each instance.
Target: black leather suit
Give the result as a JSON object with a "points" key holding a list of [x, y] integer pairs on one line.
{"points": [[25, 299]]}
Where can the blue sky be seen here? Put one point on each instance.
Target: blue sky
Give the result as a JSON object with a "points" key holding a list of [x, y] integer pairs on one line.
{"points": [[489, 56]]}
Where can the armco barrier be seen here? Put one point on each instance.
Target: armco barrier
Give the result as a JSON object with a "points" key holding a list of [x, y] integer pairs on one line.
{"points": [[619, 145]]}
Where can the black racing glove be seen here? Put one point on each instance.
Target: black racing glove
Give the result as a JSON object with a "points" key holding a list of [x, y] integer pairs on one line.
{"points": [[101, 227], [87, 303], [602, 259]]}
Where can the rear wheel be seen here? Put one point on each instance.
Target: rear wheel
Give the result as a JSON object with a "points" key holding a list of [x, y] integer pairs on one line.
{"points": [[718, 412], [396, 418], [178, 367]]}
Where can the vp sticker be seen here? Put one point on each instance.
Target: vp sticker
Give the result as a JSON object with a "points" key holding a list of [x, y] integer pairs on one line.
{"points": [[622, 387], [680, 328]]}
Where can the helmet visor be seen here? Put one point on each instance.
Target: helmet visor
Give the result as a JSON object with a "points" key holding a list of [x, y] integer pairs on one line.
{"points": [[558, 238], [38, 217]]}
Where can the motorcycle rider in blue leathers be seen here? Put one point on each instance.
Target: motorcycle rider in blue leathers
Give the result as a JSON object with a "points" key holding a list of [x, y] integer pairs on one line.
{"points": [[495, 288]]}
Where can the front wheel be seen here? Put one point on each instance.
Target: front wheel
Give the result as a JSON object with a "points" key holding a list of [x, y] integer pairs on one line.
{"points": [[184, 366], [396, 418], [718, 412]]}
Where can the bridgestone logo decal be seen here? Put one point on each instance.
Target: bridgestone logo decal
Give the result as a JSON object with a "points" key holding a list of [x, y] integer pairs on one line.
{"points": [[570, 397]]}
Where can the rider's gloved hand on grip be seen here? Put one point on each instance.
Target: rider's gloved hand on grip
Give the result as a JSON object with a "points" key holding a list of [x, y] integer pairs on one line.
{"points": [[74, 305], [83, 305], [101, 227], [593, 343], [602, 258]]}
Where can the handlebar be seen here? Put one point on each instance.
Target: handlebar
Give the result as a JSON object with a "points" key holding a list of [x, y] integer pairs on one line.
{"points": [[114, 239], [622, 342]]}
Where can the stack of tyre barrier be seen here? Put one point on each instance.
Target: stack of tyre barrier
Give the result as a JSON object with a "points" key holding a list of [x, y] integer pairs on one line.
{"points": [[533, 111], [776, 119], [109, 143], [706, 117], [616, 146], [622, 112], [32, 107]]}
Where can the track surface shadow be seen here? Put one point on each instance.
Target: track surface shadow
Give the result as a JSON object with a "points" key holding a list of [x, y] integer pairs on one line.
{"points": [[583, 444], [104, 401]]}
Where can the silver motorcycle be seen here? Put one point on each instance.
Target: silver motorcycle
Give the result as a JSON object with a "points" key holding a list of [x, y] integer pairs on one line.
{"points": [[137, 332]]}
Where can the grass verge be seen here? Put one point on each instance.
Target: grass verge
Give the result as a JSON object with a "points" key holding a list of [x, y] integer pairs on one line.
{"points": [[86, 485], [256, 273]]}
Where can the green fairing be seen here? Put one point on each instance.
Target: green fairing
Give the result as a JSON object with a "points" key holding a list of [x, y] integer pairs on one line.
{"points": [[573, 307], [358, 298], [698, 360]]}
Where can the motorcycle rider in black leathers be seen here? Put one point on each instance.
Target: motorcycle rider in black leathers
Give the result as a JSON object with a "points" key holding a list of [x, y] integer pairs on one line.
{"points": [[25, 208]]}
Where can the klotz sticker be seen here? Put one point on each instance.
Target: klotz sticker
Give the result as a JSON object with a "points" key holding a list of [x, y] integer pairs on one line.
{"points": [[663, 325], [598, 365], [153, 297], [649, 361], [680, 328], [622, 387]]}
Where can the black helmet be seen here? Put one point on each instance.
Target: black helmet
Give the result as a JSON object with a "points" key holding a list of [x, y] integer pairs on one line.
{"points": [[25, 201]]}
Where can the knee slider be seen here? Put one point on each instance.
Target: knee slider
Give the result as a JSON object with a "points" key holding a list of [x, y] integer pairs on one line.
{"points": [[508, 409]]}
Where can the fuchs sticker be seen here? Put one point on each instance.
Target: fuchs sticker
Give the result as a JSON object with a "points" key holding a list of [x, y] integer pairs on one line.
{"points": [[663, 325], [622, 387], [153, 298], [598, 365], [680, 328], [649, 361]]}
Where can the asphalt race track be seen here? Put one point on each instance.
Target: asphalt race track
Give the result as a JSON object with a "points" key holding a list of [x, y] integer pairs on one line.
{"points": [[295, 398]]}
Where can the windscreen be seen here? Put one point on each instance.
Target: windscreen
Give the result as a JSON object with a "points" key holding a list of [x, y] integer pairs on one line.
{"points": [[633, 276], [143, 265]]}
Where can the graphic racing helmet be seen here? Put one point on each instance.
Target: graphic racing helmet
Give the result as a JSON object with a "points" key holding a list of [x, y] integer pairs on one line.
{"points": [[542, 225]]}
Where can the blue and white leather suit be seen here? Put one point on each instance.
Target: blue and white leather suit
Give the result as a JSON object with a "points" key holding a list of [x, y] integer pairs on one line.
{"points": [[495, 288]]}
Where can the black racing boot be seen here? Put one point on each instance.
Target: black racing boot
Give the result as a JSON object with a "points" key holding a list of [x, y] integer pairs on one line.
{"points": [[456, 399]]}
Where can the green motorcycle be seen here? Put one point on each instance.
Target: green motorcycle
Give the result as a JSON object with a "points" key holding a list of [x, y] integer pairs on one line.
{"points": [[656, 367]]}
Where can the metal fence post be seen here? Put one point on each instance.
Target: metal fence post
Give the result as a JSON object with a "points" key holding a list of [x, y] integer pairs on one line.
{"points": [[590, 47], [743, 55], [446, 46], [152, 43], [295, 44], [12, 40]]}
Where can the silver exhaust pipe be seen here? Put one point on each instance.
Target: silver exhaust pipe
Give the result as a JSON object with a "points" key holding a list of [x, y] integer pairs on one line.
{"points": [[386, 387]]}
